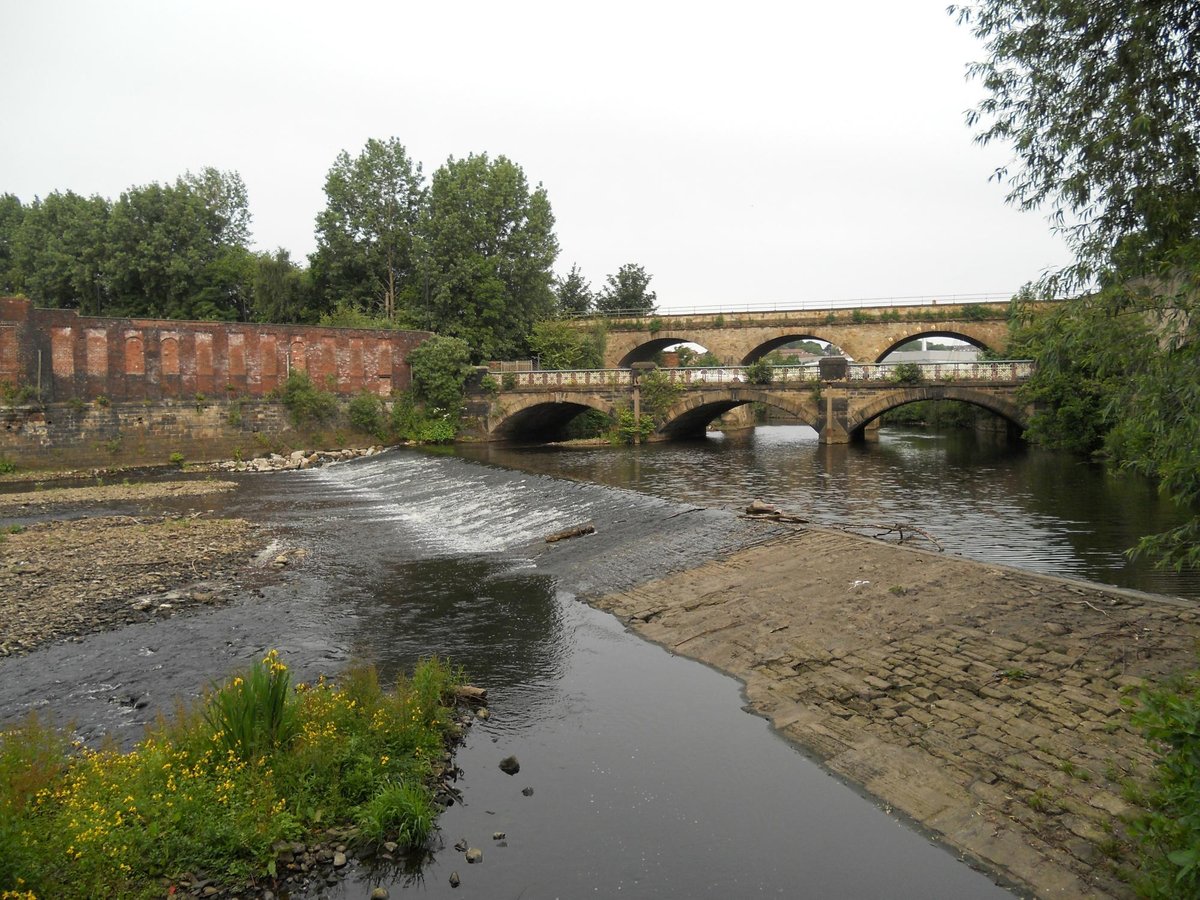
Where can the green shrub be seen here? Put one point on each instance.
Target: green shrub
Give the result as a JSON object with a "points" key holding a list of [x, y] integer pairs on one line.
{"points": [[976, 312], [6, 467], [176, 459], [627, 427], [440, 367], [305, 402], [366, 413], [412, 421], [658, 394], [251, 714], [907, 373], [80, 823], [508, 381], [759, 372], [1169, 833]]}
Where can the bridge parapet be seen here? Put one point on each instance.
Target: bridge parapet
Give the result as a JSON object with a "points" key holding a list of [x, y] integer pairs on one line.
{"points": [[1006, 370]]}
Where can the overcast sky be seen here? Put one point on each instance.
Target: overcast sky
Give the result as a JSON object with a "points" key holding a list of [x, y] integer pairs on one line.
{"points": [[757, 152]]}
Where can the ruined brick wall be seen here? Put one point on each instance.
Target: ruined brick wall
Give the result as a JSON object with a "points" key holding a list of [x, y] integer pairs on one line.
{"points": [[65, 356]]}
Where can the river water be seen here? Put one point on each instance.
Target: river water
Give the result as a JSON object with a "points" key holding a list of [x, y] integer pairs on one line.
{"points": [[647, 778], [981, 497]]}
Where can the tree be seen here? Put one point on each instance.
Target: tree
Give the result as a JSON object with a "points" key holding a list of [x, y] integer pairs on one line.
{"points": [[179, 250], [487, 248], [1099, 101], [12, 213], [440, 366], [627, 294], [574, 294], [559, 346], [60, 249], [366, 233], [281, 290]]}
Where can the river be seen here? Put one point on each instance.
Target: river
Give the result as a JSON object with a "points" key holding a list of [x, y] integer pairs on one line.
{"points": [[981, 497], [645, 776]]}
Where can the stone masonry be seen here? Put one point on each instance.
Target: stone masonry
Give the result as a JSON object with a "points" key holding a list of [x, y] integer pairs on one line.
{"points": [[988, 704]]}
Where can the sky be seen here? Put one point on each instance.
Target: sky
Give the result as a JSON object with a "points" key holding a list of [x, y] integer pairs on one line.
{"points": [[758, 153]]}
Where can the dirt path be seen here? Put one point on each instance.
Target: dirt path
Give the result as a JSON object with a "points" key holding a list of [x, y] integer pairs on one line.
{"points": [[982, 701]]}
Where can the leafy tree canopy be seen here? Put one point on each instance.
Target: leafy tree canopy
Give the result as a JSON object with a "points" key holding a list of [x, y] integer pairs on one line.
{"points": [[559, 346], [574, 294], [59, 249], [488, 246], [1100, 104], [179, 250], [627, 293], [11, 215], [440, 367], [367, 231]]}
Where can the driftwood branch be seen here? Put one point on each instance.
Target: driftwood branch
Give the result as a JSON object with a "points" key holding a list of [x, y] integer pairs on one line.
{"points": [[905, 530], [576, 531]]}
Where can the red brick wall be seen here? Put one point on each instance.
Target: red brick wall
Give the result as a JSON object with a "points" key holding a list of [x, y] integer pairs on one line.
{"points": [[87, 357]]}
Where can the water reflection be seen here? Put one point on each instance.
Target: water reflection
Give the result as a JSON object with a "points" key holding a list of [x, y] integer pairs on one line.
{"points": [[981, 497], [505, 620]]}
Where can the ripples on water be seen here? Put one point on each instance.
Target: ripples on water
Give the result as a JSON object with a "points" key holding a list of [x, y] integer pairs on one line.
{"points": [[983, 498]]}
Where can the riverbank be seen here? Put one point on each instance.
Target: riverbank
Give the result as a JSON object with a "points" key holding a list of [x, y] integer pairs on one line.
{"points": [[66, 579], [984, 702]]}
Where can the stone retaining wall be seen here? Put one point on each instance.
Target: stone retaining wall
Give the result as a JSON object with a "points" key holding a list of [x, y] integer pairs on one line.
{"points": [[88, 435]]}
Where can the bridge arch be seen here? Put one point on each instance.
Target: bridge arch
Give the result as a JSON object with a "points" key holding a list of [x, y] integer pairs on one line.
{"points": [[689, 417], [1000, 405], [537, 418], [646, 351], [775, 343], [973, 340]]}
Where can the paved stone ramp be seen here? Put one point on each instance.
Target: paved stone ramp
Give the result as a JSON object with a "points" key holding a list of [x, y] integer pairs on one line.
{"points": [[984, 702]]}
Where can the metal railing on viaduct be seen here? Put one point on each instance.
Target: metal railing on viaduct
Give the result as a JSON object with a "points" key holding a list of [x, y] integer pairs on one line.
{"points": [[841, 402]]}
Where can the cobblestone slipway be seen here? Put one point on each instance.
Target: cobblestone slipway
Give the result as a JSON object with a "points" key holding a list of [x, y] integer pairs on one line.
{"points": [[984, 702]]}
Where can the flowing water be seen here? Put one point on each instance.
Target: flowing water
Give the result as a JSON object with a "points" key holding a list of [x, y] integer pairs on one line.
{"points": [[647, 779], [984, 498]]}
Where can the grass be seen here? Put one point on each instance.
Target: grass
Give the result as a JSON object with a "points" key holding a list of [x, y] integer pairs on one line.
{"points": [[213, 789]]}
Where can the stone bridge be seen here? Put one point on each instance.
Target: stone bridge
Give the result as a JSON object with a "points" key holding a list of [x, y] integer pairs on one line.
{"points": [[863, 334], [840, 401]]}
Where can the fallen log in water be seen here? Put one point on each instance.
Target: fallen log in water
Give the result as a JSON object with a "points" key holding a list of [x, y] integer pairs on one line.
{"points": [[577, 531]]}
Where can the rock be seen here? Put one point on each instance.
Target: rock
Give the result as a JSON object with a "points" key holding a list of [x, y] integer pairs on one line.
{"points": [[470, 694], [498, 835], [474, 855], [455, 881], [509, 765], [390, 846], [1057, 629], [339, 859], [461, 845], [379, 893], [527, 791], [482, 713], [761, 508]]}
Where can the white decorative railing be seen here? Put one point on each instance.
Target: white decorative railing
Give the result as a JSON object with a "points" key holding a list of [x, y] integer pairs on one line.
{"points": [[981, 370], [991, 370]]}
